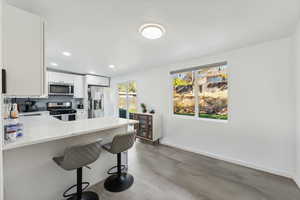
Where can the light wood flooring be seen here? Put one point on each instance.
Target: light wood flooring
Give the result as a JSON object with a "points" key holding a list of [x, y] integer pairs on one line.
{"points": [[165, 173]]}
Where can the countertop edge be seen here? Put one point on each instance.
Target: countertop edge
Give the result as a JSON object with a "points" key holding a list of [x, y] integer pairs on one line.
{"points": [[10, 146]]}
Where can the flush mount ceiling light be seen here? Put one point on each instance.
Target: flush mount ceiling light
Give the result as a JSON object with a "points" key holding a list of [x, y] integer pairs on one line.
{"points": [[111, 66], [65, 53], [152, 31]]}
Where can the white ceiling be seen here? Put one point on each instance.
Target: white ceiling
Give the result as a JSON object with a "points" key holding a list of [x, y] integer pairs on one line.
{"points": [[103, 32]]}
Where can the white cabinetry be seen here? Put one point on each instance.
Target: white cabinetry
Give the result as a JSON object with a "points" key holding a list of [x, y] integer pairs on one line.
{"points": [[58, 77], [78, 86], [76, 80], [23, 53], [97, 80], [81, 114]]}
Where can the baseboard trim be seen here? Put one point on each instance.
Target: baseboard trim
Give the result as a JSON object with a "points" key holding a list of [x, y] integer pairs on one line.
{"points": [[234, 161], [297, 182]]}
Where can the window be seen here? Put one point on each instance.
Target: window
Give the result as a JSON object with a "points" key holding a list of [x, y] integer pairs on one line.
{"points": [[183, 94], [213, 95], [210, 83], [127, 99]]}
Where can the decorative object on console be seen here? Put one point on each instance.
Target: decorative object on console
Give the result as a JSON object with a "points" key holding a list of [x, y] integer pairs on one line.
{"points": [[144, 107], [152, 111]]}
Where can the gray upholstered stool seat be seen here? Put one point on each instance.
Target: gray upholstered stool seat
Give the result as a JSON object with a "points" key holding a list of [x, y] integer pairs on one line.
{"points": [[119, 181], [107, 146], [77, 157]]}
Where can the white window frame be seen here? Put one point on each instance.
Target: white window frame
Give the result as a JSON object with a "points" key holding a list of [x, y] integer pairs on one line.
{"points": [[196, 88], [127, 99]]}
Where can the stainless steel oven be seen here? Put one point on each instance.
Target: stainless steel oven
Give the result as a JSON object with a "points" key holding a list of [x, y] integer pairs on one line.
{"points": [[62, 110], [61, 89]]}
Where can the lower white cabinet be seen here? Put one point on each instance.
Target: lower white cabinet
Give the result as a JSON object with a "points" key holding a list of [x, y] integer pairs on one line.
{"points": [[81, 114]]}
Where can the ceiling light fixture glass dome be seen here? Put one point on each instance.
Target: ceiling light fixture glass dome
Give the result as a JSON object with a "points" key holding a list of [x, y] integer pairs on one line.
{"points": [[152, 31]]}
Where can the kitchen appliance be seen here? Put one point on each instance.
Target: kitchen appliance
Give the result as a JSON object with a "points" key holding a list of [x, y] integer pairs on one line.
{"points": [[29, 106], [80, 105], [61, 89], [95, 101], [62, 110]]}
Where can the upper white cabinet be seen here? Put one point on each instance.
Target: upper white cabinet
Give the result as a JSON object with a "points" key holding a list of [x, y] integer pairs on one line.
{"points": [[76, 80], [97, 80], [78, 86], [23, 53], [58, 77]]}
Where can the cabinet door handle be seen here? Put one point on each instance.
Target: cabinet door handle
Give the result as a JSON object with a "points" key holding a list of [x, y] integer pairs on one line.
{"points": [[44, 85], [4, 86]]}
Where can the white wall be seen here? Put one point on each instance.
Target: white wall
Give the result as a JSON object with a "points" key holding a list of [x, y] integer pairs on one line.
{"points": [[1, 129], [297, 83], [260, 132]]}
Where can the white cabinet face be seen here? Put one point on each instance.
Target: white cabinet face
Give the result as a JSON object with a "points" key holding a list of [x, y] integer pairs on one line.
{"points": [[78, 86], [23, 52], [97, 80], [81, 114], [60, 77]]}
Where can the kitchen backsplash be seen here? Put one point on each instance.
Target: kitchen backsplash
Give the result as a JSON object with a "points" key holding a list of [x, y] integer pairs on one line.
{"points": [[41, 103]]}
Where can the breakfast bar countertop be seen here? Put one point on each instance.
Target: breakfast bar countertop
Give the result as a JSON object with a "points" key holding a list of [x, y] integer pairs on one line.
{"points": [[40, 129]]}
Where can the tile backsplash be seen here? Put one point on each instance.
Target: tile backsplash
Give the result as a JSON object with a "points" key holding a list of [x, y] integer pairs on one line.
{"points": [[41, 102]]}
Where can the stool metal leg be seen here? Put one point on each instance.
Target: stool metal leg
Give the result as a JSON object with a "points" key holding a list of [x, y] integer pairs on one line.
{"points": [[119, 162], [120, 181], [79, 183], [82, 195]]}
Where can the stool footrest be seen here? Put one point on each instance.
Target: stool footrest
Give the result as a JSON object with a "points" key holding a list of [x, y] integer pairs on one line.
{"points": [[85, 196], [123, 168], [84, 184]]}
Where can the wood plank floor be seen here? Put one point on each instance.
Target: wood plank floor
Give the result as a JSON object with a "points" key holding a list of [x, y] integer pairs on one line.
{"points": [[165, 173]]}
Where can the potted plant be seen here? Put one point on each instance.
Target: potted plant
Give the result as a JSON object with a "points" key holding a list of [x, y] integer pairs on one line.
{"points": [[144, 108]]}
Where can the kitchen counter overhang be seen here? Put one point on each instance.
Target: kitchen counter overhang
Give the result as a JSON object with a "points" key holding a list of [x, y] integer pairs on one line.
{"points": [[28, 163], [41, 129]]}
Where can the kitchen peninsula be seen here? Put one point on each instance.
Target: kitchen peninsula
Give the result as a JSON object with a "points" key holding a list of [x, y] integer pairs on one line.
{"points": [[46, 137]]}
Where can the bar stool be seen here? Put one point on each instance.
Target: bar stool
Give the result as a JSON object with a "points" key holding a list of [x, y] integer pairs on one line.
{"points": [[119, 181], [77, 157]]}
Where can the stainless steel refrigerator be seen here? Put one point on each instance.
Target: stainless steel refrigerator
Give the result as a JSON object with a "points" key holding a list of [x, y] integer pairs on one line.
{"points": [[95, 101]]}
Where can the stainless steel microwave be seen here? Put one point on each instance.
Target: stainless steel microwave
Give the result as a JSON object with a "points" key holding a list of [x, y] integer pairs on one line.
{"points": [[61, 89]]}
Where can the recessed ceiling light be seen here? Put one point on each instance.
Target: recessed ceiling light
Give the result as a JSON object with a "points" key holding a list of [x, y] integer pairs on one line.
{"points": [[65, 53], [152, 31], [54, 64], [111, 66]]}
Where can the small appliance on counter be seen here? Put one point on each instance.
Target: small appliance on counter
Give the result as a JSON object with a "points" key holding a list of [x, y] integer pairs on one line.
{"points": [[29, 106], [62, 110], [80, 106]]}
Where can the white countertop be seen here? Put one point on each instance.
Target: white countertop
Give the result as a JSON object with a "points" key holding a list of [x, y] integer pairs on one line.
{"points": [[34, 113], [40, 129]]}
